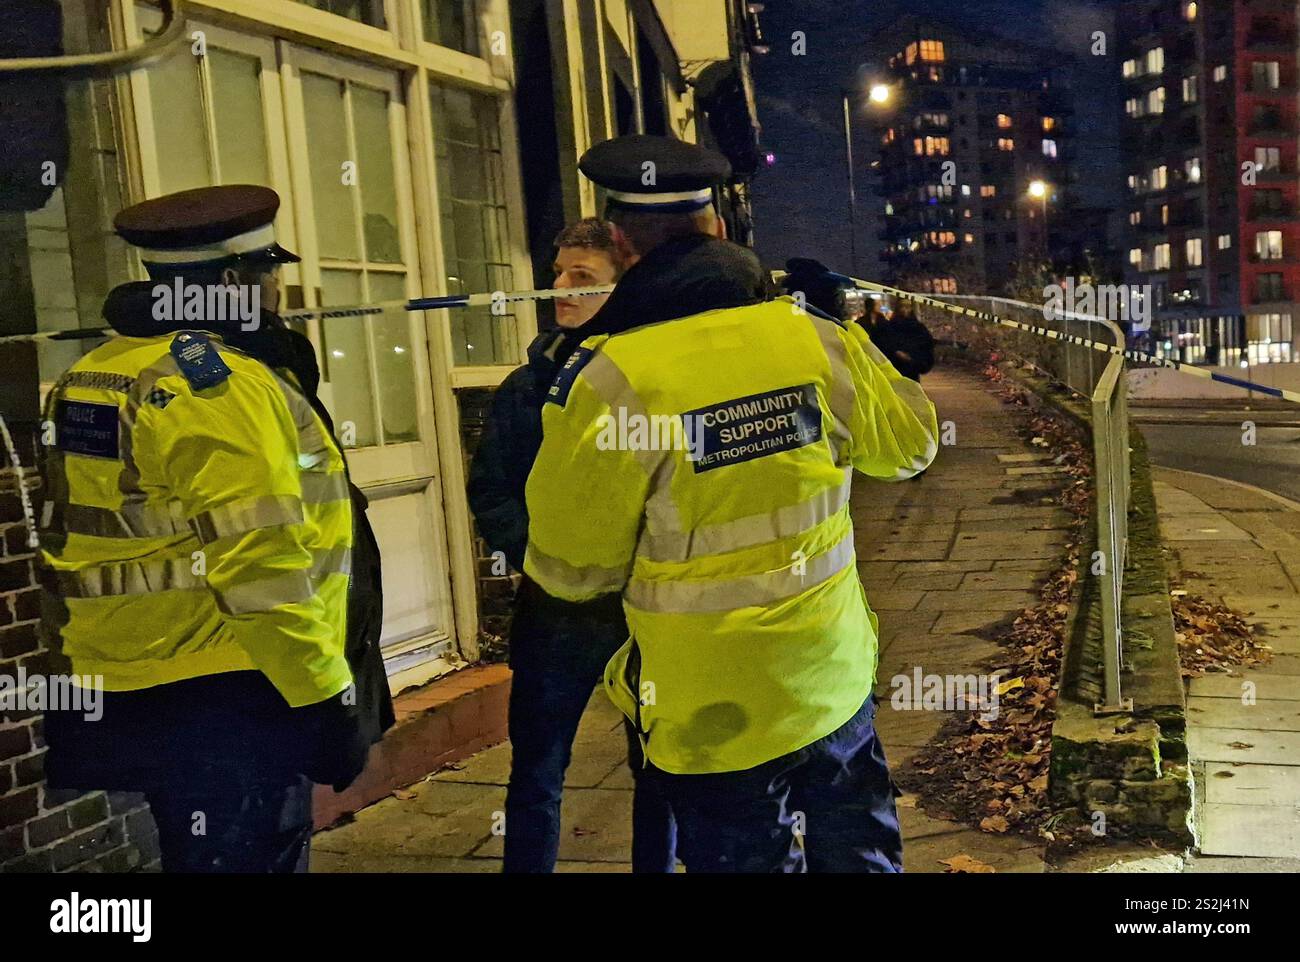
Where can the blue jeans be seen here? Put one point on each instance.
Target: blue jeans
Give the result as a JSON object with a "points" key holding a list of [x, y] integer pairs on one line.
{"points": [[546, 704], [828, 807]]}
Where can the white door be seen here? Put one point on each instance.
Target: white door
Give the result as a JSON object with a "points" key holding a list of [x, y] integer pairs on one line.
{"points": [[330, 136]]}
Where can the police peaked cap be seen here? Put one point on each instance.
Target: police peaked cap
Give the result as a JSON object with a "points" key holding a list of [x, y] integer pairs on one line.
{"points": [[645, 172], [206, 227]]}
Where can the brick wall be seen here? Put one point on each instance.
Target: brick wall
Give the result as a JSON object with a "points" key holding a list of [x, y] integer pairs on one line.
{"points": [[42, 830]]}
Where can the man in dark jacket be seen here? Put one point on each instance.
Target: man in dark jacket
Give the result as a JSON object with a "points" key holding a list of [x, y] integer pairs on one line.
{"points": [[904, 340], [558, 650]]}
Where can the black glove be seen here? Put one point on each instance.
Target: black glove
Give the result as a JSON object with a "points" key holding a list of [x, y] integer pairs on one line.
{"points": [[334, 746]]}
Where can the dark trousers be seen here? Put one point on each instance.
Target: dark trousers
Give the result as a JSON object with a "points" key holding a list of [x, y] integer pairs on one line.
{"points": [[261, 826], [546, 704], [828, 807]]}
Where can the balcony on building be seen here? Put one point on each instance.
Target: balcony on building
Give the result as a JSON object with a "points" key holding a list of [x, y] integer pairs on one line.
{"points": [[1270, 123]]}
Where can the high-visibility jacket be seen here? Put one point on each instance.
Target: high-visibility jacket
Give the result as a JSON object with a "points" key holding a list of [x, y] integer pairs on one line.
{"points": [[198, 522], [702, 467]]}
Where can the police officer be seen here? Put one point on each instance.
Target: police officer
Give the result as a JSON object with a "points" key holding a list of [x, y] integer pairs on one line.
{"points": [[752, 655], [207, 559]]}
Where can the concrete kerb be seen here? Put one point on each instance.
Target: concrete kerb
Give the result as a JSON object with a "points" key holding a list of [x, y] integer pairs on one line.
{"points": [[1126, 772]]}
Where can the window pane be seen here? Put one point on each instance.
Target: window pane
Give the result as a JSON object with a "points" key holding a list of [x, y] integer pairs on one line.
{"points": [[178, 109], [476, 245], [237, 103], [394, 361], [363, 11], [376, 176], [451, 23], [347, 365], [327, 150]]}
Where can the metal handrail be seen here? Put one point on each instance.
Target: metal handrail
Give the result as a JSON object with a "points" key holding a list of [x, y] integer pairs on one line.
{"points": [[1107, 395]]}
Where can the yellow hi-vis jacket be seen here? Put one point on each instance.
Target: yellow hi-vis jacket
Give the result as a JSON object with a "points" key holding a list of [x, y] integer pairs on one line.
{"points": [[702, 467], [195, 530]]}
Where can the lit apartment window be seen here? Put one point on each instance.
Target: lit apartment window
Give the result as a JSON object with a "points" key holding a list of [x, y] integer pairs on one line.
{"points": [[909, 55], [1225, 241], [936, 146], [1265, 75], [1194, 252], [1190, 9], [1160, 177], [1135, 256], [932, 51], [1189, 90], [1268, 245], [1164, 215], [970, 238], [1268, 159], [1049, 148], [1130, 68], [1135, 107], [965, 190], [1220, 73], [1156, 60], [1049, 124], [988, 190], [1160, 258], [1006, 143], [1193, 170], [918, 146], [1156, 101], [1135, 217], [1134, 183], [1004, 121], [889, 137], [889, 209]]}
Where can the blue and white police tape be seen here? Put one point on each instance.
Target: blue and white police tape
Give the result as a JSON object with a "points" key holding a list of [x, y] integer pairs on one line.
{"points": [[491, 299], [1141, 357]]}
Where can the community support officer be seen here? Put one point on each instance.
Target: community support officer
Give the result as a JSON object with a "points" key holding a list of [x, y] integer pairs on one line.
{"points": [[558, 649], [205, 553], [752, 654]]}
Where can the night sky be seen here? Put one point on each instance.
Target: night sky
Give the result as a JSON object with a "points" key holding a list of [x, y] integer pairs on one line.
{"points": [[801, 204]]}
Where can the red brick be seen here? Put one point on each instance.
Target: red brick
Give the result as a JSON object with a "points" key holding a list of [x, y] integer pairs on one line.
{"points": [[30, 770], [15, 740], [27, 605], [48, 829], [87, 845], [18, 640], [15, 575], [18, 807]]}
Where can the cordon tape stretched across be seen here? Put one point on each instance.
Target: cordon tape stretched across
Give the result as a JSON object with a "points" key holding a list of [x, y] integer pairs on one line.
{"points": [[494, 298]]}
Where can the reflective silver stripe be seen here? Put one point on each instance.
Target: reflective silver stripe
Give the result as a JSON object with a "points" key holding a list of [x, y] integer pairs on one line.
{"points": [[134, 578], [292, 587], [752, 591], [176, 574], [843, 394], [245, 515], [319, 487], [129, 521], [588, 580], [747, 532], [611, 385]]}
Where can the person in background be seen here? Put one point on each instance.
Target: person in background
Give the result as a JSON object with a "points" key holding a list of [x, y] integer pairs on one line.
{"points": [[558, 649], [903, 339]]}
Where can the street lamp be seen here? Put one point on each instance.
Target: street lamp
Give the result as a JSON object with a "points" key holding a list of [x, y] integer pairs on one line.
{"points": [[879, 94], [1039, 190]]}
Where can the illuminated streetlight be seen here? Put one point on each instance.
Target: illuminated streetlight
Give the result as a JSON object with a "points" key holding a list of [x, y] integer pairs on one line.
{"points": [[1038, 189], [879, 93]]}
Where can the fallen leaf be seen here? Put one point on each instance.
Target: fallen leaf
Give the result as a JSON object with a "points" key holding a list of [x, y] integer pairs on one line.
{"points": [[964, 863], [994, 823]]}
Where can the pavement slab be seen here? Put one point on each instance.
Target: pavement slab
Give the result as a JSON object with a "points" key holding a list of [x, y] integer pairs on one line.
{"points": [[927, 552]]}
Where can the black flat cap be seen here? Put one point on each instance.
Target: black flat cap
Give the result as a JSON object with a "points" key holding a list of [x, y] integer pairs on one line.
{"points": [[206, 226], [645, 172]]}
